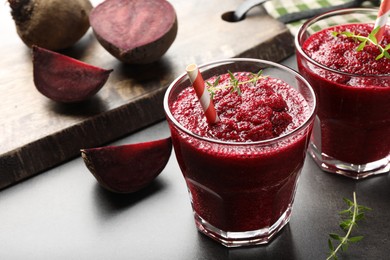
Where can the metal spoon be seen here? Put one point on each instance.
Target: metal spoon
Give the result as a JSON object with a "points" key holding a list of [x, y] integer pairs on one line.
{"points": [[243, 8]]}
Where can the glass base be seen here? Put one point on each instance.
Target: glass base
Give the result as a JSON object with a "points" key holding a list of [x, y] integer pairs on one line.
{"points": [[245, 238], [354, 171]]}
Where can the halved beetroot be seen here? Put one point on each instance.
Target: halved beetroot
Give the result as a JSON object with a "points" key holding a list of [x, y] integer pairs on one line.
{"points": [[65, 79], [135, 31], [128, 168]]}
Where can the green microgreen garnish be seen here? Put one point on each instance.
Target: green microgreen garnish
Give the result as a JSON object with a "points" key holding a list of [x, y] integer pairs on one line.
{"points": [[234, 83], [213, 87], [367, 39], [350, 217]]}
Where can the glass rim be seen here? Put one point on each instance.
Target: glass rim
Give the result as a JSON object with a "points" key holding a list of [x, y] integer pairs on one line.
{"points": [[317, 18], [303, 125]]}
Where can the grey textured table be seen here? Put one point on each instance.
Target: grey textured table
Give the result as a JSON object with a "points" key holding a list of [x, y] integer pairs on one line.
{"points": [[64, 214]]}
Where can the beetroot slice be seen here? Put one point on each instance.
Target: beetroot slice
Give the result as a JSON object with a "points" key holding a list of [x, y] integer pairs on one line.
{"points": [[64, 79], [128, 168], [135, 31]]}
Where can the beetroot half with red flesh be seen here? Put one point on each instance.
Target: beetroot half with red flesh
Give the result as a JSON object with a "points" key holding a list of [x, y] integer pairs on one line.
{"points": [[135, 31], [128, 168], [65, 79]]}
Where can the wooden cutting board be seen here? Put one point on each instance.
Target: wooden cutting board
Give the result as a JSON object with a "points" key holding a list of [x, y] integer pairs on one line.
{"points": [[37, 133]]}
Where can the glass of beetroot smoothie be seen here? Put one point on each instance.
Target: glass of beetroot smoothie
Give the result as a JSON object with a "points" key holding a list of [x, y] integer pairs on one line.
{"points": [[242, 172], [351, 135]]}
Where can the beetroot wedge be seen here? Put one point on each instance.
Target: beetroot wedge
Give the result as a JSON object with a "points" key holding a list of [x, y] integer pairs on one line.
{"points": [[64, 79], [128, 168], [135, 31]]}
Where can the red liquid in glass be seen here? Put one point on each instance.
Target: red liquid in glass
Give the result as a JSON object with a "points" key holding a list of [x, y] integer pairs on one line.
{"points": [[242, 187], [354, 111]]}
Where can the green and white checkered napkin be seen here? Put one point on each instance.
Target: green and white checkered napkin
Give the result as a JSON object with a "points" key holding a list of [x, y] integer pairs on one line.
{"points": [[278, 8]]}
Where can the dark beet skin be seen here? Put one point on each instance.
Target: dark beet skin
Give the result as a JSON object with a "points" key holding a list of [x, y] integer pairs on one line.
{"points": [[128, 168], [64, 79], [142, 31], [51, 24]]}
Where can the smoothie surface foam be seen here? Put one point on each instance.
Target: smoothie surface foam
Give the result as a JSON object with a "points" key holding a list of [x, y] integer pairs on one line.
{"points": [[259, 110], [340, 52]]}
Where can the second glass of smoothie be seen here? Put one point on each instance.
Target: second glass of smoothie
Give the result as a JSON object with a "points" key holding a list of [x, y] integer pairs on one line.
{"points": [[242, 172], [351, 135]]}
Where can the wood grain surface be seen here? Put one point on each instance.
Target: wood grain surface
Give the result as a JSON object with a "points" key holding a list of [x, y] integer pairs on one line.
{"points": [[37, 133]]}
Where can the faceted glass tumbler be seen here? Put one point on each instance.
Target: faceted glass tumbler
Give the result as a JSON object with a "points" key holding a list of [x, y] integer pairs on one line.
{"points": [[241, 193], [351, 135]]}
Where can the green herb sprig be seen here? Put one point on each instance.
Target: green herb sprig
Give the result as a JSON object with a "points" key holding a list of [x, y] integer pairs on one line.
{"points": [[384, 51], [351, 216], [234, 83], [212, 87]]}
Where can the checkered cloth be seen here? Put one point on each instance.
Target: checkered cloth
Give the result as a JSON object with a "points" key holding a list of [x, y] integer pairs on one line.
{"points": [[278, 8]]}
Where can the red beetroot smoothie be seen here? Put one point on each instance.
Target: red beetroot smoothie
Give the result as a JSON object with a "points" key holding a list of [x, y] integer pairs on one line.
{"points": [[354, 111], [242, 187]]}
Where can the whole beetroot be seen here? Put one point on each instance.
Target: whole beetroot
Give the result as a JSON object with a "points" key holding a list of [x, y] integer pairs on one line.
{"points": [[135, 31], [51, 24]]}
